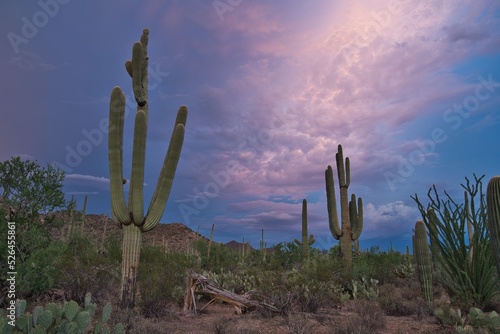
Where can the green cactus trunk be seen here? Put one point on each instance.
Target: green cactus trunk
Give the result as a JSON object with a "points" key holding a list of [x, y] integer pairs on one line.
{"points": [[351, 219], [493, 208], [131, 217], [423, 260], [305, 236], [307, 240], [131, 248]]}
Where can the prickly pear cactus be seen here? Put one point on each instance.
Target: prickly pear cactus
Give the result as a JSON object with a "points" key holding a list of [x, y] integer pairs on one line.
{"points": [[69, 318]]}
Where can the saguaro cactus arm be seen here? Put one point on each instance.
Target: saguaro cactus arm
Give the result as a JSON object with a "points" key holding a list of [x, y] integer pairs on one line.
{"points": [[331, 202], [115, 155], [356, 215]]}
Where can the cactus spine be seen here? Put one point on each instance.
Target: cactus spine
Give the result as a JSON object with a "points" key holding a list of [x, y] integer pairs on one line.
{"points": [[493, 208], [132, 218], [423, 260], [307, 240], [351, 214]]}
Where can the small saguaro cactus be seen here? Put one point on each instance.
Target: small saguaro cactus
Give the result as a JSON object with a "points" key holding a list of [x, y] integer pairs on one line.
{"points": [[493, 208], [307, 240], [351, 213], [131, 217], [423, 260]]}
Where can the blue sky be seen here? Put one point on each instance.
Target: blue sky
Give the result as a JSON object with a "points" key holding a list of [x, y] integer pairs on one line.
{"points": [[409, 88]]}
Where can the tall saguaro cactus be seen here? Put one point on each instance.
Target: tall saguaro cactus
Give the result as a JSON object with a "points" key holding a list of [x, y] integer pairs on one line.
{"points": [[307, 240], [351, 214], [131, 217], [493, 208]]}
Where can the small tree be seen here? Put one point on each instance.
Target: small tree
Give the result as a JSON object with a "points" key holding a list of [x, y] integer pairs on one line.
{"points": [[27, 189]]}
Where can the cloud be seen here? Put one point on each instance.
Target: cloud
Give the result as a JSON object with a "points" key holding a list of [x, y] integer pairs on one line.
{"points": [[388, 220], [89, 181], [30, 61]]}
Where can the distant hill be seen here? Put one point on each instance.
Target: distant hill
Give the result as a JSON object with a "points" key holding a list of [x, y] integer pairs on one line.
{"points": [[176, 236]]}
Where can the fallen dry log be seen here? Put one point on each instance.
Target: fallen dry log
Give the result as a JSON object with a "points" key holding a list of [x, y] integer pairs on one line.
{"points": [[198, 284]]}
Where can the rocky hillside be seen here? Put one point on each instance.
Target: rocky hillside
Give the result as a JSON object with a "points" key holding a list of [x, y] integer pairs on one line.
{"points": [[176, 236]]}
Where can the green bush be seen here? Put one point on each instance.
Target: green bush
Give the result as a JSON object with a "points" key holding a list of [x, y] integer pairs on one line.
{"points": [[162, 279], [82, 269], [378, 265]]}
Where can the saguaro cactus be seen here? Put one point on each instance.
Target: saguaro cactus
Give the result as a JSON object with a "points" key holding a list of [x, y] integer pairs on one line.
{"points": [[131, 217], [351, 213], [493, 208], [307, 240], [423, 260]]}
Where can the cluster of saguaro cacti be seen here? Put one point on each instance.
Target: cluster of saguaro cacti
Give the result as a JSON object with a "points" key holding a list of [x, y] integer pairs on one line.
{"points": [[423, 260], [131, 217], [493, 208], [307, 240], [67, 318], [351, 213]]}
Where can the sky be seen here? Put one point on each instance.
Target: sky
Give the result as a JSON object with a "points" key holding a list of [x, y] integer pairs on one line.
{"points": [[410, 89]]}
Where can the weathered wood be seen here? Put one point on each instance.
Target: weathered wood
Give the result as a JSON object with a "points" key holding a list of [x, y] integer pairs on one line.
{"points": [[197, 283]]}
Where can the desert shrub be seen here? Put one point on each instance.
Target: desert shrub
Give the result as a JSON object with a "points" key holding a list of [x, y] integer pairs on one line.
{"points": [[113, 249], [285, 256], [314, 284], [83, 270], [367, 318], [221, 257], [162, 280], [300, 324], [39, 272], [378, 265], [272, 289], [401, 302]]}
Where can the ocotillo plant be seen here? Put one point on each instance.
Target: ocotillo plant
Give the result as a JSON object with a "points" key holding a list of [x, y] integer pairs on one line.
{"points": [[132, 218], [351, 219], [423, 260], [493, 203], [307, 240]]}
